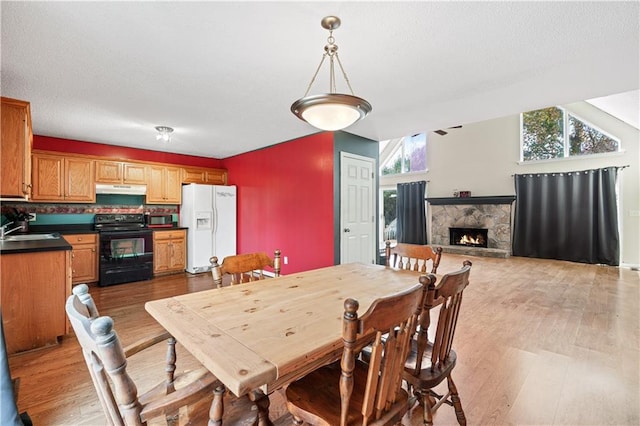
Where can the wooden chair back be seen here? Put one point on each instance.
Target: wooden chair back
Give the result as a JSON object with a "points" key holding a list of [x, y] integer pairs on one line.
{"points": [[366, 387], [105, 357], [431, 363], [107, 363], [413, 257], [244, 267], [392, 321], [448, 295]]}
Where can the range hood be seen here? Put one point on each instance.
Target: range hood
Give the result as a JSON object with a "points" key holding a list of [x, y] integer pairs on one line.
{"points": [[121, 189]]}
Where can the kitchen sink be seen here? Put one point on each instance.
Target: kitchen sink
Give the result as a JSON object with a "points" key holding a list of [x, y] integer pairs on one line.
{"points": [[31, 237]]}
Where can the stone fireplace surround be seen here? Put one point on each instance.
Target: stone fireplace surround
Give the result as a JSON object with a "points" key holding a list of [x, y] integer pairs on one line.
{"points": [[493, 213]]}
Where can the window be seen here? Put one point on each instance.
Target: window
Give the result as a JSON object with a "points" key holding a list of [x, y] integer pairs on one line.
{"points": [[389, 214], [404, 155], [554, 133]]}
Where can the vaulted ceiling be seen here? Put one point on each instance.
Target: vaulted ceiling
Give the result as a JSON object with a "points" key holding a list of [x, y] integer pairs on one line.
{"points": [[224, 74]]}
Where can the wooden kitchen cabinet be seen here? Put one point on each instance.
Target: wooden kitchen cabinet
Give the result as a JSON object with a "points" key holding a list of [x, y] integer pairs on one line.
{"points": [[33, 291], [84, 257], [116, 172], [63, 178], [204, 176], [164, 185], [15, 149], [169, 251]]}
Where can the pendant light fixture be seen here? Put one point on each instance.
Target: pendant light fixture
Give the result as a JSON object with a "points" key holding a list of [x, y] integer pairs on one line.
{"points": [[164, 133], [331, 111]]}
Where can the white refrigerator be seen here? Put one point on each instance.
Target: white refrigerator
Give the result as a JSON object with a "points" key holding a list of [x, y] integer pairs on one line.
{"points": [[209, 214]]}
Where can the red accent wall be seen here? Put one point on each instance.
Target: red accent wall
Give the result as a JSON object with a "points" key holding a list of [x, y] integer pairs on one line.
{"points": [[285, 201], [89, 148]]}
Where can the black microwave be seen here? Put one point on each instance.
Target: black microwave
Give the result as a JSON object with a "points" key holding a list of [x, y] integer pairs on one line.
{"points": [[159, 220]]}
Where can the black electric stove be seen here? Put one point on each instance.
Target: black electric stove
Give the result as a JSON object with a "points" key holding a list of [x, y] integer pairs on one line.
{"points": [[126, 248]]}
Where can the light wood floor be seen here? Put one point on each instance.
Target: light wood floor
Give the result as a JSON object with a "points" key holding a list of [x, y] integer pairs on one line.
{"points": [[539, 343]]}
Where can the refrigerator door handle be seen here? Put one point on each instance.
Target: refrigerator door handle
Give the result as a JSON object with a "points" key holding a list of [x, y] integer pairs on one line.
{"points": [[215, 220]]}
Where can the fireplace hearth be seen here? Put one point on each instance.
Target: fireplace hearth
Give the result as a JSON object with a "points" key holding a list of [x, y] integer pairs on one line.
{"points": [[470, 237], [490, 214]]}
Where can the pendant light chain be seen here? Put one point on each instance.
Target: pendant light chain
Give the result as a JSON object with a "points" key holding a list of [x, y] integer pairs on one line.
{"points": [[344, 74], [331, 111], [331, 50], [313, 79]]}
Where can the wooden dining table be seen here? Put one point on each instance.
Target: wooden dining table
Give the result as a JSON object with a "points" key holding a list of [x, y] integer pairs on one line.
{"points": [[258, 337]]}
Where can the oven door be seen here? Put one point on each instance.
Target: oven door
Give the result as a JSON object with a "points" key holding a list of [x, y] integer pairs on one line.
{"points": [[125, 256]]}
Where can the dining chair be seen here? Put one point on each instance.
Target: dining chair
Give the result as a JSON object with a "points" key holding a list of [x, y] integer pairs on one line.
{"points": [[118, 394], [353, 392], [244, 267], [412, 257], [431, 362]]}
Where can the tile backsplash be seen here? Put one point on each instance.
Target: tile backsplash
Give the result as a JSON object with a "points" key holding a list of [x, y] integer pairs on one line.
{"points": [[47, 213]]}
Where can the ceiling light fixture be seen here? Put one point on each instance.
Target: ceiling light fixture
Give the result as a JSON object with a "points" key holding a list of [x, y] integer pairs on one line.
{"points": [[164, 133], [331, 111]]}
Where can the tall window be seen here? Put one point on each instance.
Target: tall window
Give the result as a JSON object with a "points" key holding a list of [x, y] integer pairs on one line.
{"points": [[554, 133], [404, 155], [400, 160], [389, 197]]}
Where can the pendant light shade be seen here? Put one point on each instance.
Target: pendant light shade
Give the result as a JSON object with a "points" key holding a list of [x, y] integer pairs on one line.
{"points": [[331, 111]]}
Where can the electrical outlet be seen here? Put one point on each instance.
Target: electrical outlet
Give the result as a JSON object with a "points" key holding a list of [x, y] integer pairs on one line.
{"points": [[286, 260], [32, 217]]}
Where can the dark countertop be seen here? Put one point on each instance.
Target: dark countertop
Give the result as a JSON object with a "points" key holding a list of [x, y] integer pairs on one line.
{"points": [[172, 228], [15, 247], [84, 228], [12, 247]]}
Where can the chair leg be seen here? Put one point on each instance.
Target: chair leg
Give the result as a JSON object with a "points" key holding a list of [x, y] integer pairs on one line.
{"points": [[426, 408], [217, 408], [457, 405]]}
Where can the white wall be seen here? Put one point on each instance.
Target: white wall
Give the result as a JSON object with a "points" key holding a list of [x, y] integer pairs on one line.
{"points": [[482, 157]]}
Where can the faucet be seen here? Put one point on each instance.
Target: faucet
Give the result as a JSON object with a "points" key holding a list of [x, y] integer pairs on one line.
{"points": [[4, 232]]}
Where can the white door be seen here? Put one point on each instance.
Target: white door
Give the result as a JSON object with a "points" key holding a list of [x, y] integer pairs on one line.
{"points": [[358, 204]]}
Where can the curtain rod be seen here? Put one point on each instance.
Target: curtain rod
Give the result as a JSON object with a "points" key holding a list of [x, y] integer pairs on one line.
{"points": [[617, 167]]}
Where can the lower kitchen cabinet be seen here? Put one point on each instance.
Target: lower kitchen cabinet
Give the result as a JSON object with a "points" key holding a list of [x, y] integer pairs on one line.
{"points": [[33, 291], [84, 257], [169, 251]]}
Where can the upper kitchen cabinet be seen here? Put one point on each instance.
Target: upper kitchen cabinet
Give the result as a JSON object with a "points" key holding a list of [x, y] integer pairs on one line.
{"points": [[204, 175], [164, 185], [58, 178], [15, 149], [120, 172]]}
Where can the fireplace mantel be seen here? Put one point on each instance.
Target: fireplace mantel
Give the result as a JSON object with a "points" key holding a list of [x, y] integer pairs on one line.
{"points": [[449, 201]]}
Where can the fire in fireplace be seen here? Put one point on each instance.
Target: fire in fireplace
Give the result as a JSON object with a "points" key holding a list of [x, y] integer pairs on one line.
{"points": [[474, 237]]}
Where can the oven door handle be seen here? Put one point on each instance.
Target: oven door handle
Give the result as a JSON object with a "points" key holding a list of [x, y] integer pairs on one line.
{"points": [[125, 234]]}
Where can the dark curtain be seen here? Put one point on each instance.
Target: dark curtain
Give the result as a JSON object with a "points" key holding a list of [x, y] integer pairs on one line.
{"points": [[567, 216], [410, 213]]}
